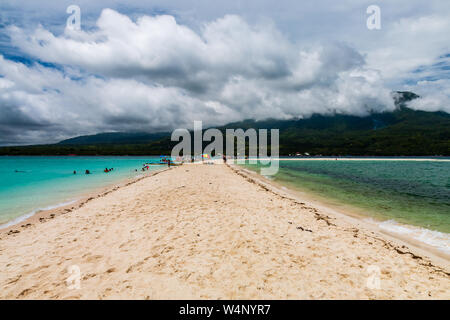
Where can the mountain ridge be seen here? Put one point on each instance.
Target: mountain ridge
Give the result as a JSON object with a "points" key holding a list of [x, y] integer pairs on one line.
{"points": [[401, 132]]}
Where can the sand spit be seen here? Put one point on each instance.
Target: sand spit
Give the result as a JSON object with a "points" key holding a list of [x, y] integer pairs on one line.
{"points": [[209, 232]]}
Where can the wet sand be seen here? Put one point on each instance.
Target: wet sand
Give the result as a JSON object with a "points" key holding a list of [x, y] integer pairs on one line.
{"points": [[210, 232]]}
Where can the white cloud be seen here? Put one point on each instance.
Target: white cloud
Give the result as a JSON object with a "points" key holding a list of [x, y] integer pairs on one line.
{"points": [[42, 104], [410, 43], [152, 73], [435, 96]]}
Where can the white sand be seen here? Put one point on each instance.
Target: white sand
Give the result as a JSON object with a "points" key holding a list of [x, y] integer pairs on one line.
{"points": [[207, 232]]}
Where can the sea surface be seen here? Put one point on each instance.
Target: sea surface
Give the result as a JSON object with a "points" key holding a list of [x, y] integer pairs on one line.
{"points": [[406, 197], [31, 184]]}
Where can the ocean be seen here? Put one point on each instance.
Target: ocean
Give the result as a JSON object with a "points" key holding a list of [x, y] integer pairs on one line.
{"points": [[30, 184], [406, 197]]}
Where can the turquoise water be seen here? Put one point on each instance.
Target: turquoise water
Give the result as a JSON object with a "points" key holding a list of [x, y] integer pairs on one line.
{"points": [[46, 182], [409, 192]]}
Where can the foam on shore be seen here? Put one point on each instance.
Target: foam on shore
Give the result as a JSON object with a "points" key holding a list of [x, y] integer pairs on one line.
{"points": [[32, 213], [435, 239]]}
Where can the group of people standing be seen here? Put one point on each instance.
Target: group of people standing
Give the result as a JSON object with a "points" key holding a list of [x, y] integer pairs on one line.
{"points": [[144, 168], [89, 172]]}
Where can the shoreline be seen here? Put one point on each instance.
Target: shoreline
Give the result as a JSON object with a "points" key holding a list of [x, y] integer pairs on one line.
{"points": [[351, 214], [362, 158], [358, 213], [211, 232], [41, 215], [343, 210]]}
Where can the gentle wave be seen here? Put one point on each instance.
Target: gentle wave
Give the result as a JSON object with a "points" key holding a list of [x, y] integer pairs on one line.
{"points": [[32, 213], [436, 239]]}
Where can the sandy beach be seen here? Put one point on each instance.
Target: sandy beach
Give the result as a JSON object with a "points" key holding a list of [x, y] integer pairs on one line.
{"points": [[210, 232]]}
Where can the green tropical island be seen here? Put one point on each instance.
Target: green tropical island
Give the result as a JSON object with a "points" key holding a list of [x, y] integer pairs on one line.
{"points": [[403, 132]]}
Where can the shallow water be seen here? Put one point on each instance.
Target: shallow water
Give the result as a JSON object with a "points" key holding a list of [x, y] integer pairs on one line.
{"points": [[414, 193], [29, 184]]}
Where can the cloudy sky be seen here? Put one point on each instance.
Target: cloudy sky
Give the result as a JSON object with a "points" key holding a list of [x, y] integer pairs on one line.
{"points": [[159, 65]]}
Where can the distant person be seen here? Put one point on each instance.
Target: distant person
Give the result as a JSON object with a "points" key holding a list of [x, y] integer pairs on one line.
{"points": [[88, 172], [168, 163], [106, 170], [224, 159], [74, 172]]}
